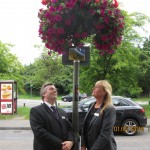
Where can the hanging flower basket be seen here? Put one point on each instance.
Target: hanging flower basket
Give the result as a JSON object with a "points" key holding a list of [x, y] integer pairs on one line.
{"points": [[66, 23]]}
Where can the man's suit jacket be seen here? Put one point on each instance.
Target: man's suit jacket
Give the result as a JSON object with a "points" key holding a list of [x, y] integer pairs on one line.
{"points": [[49, 132], [100, 132]]}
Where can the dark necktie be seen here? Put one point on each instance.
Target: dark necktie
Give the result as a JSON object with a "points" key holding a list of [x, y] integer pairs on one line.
{"points": [[55, 112]]}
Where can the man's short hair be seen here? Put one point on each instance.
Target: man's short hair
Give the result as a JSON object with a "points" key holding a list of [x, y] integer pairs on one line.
{"points": [[43, 89]]}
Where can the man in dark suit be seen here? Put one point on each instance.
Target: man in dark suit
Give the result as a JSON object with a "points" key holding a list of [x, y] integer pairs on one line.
{"points": [[50, 125]]}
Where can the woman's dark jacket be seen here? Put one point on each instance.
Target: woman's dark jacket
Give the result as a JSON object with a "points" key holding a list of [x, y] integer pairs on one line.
{"points": [[99, 133]]}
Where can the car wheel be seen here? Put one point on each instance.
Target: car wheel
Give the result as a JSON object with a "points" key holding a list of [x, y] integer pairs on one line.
{"points": [[129, 127], [65, 99]]}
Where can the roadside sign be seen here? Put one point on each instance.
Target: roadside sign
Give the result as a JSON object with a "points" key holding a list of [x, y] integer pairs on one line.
{"points": [[8, 96]]}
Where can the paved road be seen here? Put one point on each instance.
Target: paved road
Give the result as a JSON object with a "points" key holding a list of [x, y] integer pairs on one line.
{"points": [[16, 140], [139, 142], [32, 103], [23, 140]]}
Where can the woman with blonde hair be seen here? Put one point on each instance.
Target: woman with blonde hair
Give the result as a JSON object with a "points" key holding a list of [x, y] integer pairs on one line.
{"points": [[100, 119]]}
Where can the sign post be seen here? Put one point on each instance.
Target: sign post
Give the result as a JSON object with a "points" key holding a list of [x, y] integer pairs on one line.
{"points": [[76, 56], [75, 115]]}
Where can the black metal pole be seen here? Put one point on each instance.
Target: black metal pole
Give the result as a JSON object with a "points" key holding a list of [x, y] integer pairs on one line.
{"points": [[75, 115]]}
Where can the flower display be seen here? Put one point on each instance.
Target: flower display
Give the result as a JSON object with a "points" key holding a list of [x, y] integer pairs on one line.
{"points": [[66, 23]]}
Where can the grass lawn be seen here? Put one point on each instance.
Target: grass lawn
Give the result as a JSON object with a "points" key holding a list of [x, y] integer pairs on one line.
{"points": [[21, 112], [27, 96], [147, 110], [24, 112], [142, 99]]}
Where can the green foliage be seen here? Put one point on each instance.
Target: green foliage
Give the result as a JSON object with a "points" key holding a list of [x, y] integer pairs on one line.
{"points": [[29, 96], [24, 112], [48, 69], [122, 69], [133, 24], [6, 117], [141, 99], [144, 78], [125, 72], [147, 110], [10, 67]]}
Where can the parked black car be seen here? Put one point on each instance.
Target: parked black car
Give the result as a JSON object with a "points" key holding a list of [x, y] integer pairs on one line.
{"points": [[69, 97], [130, 117]]}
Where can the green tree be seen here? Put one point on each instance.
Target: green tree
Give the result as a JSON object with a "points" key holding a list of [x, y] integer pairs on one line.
{"points": [[48, 68], [122, 68], [144, 78], [10, 67]]}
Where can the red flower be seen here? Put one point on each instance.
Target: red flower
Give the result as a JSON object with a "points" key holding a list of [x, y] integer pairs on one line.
{"points": [[44, 2], [49, 53], [96, 1], [115, 3]]}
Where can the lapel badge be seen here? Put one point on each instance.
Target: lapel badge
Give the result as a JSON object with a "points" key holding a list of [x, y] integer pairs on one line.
{"points": [[96, 114]]}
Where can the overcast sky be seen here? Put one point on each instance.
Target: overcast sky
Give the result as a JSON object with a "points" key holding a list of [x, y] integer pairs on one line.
{"points": [[19, 24]]}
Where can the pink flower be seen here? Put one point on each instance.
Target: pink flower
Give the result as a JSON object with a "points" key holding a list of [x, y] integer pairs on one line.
{"points": [[77, 35], [58, 18], [51, 31], [52, 9], [99, 27], [92, 12], [110, 12], [102, 12], [60, 31], [84, 34], [47, 14], [53, 1], [71, 3], [47, 45], [67, 22], [106, 20], [60, 8], [104, 37]]}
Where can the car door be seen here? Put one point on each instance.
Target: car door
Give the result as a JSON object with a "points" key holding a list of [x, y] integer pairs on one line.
{"points": [[121, 107], [83, 108]]}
